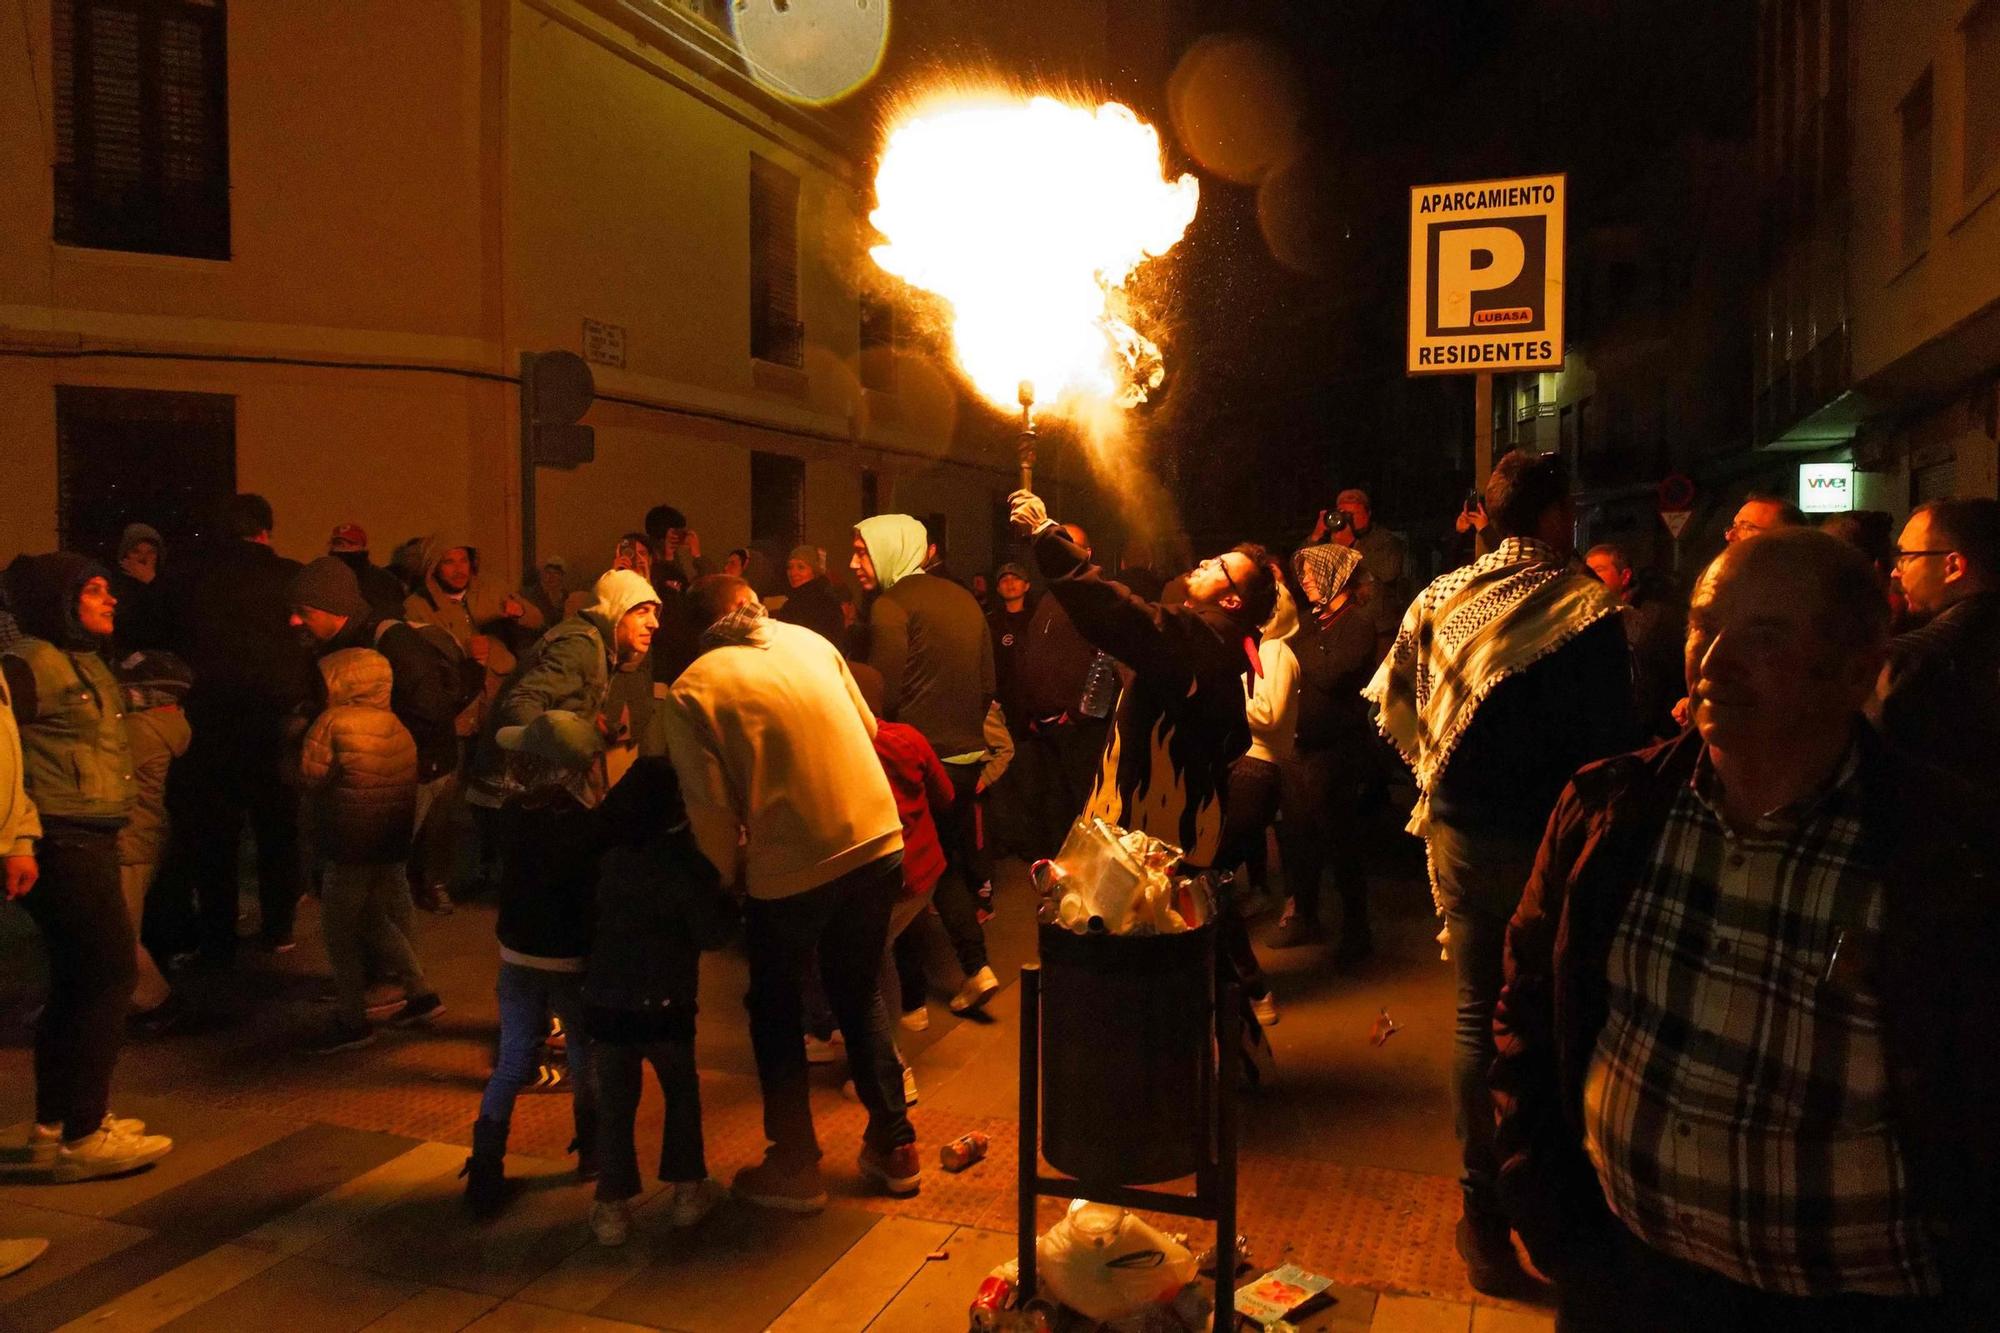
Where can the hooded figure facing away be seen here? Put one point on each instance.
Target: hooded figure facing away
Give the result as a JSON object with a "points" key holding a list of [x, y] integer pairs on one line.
{"points": [[928, 638]]}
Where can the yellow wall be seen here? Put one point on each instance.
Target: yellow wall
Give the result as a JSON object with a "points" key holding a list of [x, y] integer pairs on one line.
{"points": [[449, 184], [1899, 305]]}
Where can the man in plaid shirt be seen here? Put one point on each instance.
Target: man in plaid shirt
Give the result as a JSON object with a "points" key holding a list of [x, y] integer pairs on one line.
{"points": [[1749, 1045]]}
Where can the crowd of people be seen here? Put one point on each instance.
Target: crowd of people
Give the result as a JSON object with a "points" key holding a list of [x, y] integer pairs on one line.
{"points": [[1709, 865]]}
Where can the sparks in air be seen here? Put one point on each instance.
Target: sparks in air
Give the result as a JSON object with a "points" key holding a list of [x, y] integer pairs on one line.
{"points": [[1027, 217]]}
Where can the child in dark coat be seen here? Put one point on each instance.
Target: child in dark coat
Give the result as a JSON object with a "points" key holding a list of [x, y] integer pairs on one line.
{"points": [[549, 843], [659, 904]]}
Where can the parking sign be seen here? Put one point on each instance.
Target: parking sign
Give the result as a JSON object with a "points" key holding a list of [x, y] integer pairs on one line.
{"points": [[1486, 276]]}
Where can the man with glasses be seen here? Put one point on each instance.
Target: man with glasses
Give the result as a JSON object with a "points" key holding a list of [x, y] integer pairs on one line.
{"points": [[1762, 513], [1939, 696], [1183, 713]]}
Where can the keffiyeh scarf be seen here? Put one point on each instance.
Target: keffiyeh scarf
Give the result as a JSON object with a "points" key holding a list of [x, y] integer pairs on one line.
{"points": [[1467, 632]]}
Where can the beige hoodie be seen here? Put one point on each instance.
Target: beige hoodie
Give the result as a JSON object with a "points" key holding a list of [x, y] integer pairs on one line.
{"points": [[771, 738]]}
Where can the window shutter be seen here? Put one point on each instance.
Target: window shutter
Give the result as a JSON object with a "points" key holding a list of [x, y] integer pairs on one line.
{"points": [[878, 344], [139, 456], [777, 499], [775, 332], [141, 126]]}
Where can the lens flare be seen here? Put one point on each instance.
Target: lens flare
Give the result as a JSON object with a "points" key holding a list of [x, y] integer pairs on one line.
{"points": [[1026, 217]]}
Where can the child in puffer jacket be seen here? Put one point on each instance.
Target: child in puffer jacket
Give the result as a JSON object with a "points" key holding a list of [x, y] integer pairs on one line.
{"points": [[659, 904], [359, 769]]}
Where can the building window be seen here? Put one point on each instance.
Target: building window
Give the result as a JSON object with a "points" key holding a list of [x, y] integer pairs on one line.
{"points": [[142, 126], [871, 492], [1915, 114], [1982, 93], [130, 456], [878, 344], [776, 335], [777, 499]]}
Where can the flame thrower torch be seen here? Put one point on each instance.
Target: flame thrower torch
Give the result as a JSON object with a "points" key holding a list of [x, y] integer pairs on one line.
{"points": [[1027, 442]]}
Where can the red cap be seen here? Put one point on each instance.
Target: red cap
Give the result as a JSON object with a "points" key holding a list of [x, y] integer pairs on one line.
{"points": [[348, 537]]}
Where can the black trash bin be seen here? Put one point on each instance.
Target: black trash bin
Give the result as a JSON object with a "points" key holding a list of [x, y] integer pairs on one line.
{"points": [[1127, 1054]]}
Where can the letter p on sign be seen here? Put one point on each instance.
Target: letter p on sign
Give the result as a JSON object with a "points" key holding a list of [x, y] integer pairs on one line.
{"points": [[1474, 259]]}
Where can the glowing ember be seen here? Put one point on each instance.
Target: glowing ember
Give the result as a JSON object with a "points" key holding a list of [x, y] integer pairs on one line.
{"points": [[1027, 218]]}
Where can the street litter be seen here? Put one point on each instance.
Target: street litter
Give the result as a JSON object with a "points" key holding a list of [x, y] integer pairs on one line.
{"points": [[1112, 881], [1278, 1293], [1105, 1263]]}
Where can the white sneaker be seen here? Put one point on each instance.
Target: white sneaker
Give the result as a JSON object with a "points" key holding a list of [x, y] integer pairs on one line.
{"points": [[823, 1051], [694, 1200], [43, 1140], [611, 1221], [1265, 1006], [980, 987], [916, 1020], [108, 1153]]}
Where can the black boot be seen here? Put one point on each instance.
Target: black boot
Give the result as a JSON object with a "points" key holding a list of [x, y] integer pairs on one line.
{"points": [[485, 1172], [584, 1145]]}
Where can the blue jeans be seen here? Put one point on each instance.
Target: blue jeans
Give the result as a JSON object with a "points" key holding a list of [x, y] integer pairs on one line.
{"points": [[528, 995], [1479, 883]]}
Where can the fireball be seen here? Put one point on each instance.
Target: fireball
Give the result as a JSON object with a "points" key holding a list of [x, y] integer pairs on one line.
{"points": [[1026, 218]]}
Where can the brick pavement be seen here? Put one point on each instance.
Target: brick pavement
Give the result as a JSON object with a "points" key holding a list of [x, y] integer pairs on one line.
{"points": [[1345, 1169]]}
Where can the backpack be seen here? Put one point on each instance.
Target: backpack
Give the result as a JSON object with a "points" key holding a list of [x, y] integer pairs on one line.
{"points": [[467, 676]]}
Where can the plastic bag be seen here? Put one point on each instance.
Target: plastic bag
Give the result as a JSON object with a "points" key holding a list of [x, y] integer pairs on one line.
{"points": [[1104, 1263], [1113, 881]]}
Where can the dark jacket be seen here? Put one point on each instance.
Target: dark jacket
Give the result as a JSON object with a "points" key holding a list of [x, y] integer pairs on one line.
{"points": [[1182, 716], [231, 623], [1534, 730], [659, 904], [548, 875], [1939, 696], [1054, 663], [382, 590], [813, 605], [141, 620], [1009, 630], [427, 693], [1656, 630], [1938, 843], [1335, 662], [928, 638]]}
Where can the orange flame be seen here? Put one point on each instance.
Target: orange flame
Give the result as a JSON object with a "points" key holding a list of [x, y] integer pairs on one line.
{"points": [[1027, 217]]}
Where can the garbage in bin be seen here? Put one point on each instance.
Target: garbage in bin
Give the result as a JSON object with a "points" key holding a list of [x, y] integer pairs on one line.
{"points": [[1113, 881], [1106, 1264]]}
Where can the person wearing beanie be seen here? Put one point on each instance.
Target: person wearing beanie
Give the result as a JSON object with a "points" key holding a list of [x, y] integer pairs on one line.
{"points": [[928, 638], [154, 685], [811, 602], [432, 683], [379, 588], [570, 668], [77, 769], [135, 583]]}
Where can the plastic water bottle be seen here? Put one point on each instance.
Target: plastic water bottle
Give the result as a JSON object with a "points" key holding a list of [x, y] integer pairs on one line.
{"points": [[1100, 687]]}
